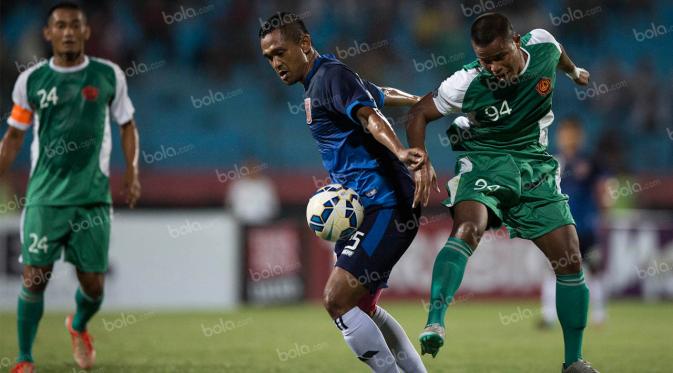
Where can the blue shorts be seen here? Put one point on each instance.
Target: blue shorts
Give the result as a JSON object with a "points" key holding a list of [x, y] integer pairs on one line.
{"points": [[372, 251]]}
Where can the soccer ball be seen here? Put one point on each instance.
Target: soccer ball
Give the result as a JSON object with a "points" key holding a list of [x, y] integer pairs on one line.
{"points": [[334, 212]]}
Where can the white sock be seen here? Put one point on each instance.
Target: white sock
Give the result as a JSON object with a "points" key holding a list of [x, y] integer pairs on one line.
{"points": [[405, 355], [549, 299], [365, 339], [597, 297]]}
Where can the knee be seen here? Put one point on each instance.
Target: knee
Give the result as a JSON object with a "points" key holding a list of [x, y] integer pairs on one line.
{"points": [[35, 279], [469, 232], [93, 289], [334, 305], [570, 263]]}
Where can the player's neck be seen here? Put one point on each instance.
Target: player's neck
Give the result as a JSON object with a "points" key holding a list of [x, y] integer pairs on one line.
{"points": [[524, 59], [66, 60]]}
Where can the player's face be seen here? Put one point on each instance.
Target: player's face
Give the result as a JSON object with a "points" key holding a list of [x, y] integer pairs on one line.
{"points": [[287, 58], [502, 57], [569, 140], [67, 31]]}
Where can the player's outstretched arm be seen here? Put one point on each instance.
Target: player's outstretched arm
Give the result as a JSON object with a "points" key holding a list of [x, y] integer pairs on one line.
{"points": [[420, 115], [375, 123], [130, 147], [9, 147], [397, 97], [577, 74]]}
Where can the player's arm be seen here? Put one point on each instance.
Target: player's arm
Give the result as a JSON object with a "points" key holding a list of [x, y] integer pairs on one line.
{"points": [[577, 74], [420, 115], [9, 147], [122, 111], [397, 97], [377, 125], [130, 147], [20, 120]]}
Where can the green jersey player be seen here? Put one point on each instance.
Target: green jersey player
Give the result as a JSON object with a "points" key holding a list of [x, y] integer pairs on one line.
{"points": [[69, 102], [503, 172]]}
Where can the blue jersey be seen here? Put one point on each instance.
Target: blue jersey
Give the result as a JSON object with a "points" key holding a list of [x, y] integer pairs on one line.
{"points": [[579, 178], [353, 158]]}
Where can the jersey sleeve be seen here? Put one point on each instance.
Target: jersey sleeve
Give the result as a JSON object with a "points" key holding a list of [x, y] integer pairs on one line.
{"points": [[376, 92], [539, 35], [22, 113], [448, 98], [121, 107], [348, 92]]}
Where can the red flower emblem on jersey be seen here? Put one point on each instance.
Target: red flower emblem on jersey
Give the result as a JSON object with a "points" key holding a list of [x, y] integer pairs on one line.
{"points": [[90, 93], [543, 87], [307, 109]]}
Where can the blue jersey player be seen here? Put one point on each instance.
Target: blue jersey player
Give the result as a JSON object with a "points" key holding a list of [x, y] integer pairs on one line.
{"points": [[360, 150]]}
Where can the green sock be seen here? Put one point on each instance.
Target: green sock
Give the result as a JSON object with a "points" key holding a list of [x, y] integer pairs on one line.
{"points": [[86, 308], [447, 273], [572, 306], [29, 312]]}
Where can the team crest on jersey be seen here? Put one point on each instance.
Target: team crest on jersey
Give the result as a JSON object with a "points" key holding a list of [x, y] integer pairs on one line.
{"points": [[90, 93], [543, 86], [307, 109]]}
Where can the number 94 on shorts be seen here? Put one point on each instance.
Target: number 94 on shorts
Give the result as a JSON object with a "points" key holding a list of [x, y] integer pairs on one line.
{"points": [[523, 192]]}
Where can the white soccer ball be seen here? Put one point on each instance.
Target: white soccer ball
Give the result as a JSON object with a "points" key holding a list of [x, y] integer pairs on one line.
{"points": [[334, 212]]}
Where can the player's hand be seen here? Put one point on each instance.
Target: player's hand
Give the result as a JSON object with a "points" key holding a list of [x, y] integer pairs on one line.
{"points": [[424, 179], [414, 158], [580, 76], [131, 186]]}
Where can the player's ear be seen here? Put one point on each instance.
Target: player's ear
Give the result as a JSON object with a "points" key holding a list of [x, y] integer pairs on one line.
{"points": [[87, 32], [305, 43], [517, 39], [46, 33]]}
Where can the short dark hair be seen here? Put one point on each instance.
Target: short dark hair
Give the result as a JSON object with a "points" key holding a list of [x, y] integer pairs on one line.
{"points": [[289, 24], [490, 26], [64, 5]]}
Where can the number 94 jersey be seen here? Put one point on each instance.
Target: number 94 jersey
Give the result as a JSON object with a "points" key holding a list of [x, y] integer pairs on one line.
{"points": [[503, 115], [70, 109]]}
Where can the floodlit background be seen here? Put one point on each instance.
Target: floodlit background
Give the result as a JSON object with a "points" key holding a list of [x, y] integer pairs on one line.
{"points": [[216, 269]]}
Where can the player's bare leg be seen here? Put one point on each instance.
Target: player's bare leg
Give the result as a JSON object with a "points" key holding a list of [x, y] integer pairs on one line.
{"points": [[561, 246], [29, 312], [89, 298], [342, 294], [470, 219]]}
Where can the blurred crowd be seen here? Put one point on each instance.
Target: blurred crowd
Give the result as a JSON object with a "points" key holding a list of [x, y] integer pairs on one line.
{"points": [[198, 80]]}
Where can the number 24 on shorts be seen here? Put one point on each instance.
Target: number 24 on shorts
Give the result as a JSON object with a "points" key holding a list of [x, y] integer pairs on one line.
{"points": [[38, 244]]}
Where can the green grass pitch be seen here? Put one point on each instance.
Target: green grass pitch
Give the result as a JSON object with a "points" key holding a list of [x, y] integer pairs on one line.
{"points": [[481, 337]]}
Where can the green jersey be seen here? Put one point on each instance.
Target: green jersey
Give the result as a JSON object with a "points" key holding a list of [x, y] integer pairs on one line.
{"points": [[69, 109], [503, 116]]}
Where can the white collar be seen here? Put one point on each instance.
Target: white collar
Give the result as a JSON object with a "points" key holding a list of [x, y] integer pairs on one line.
{"points": [[69, 69], [525, 67]]}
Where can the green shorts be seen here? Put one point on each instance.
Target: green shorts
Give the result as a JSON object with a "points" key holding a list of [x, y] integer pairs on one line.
{"points": [[82, 231], [522, 191]]}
